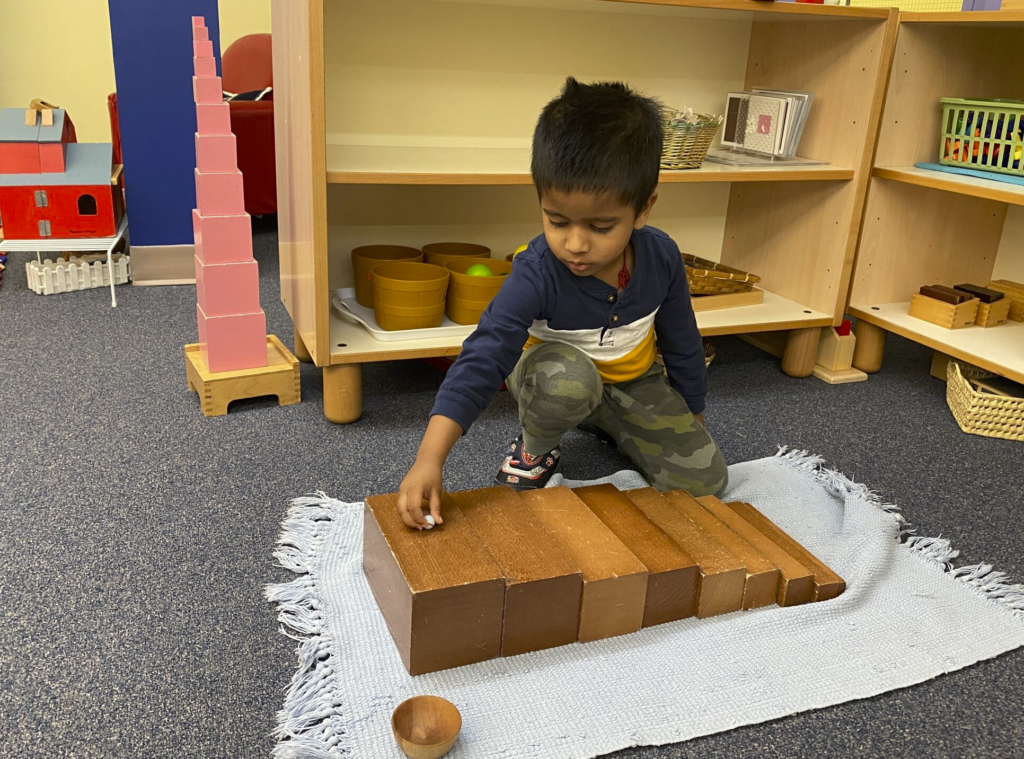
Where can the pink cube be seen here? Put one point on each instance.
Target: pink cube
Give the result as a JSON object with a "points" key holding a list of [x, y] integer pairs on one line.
{"points": [[222, 239], [198, 21], [213, 118], [202, 48], [204, 66], [200, 33], [219, 194], [207, 89], [52, 157], [226, 289], [228, 343], [216, 153]]}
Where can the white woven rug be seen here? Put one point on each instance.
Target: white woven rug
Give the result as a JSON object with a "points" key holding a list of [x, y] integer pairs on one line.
{"points": [[906, 617]]}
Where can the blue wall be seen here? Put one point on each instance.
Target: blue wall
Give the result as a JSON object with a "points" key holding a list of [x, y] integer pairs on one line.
{"points": [[153, 67]]}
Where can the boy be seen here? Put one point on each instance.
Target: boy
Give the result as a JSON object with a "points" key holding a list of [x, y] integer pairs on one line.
{"points": [[586, 299]]}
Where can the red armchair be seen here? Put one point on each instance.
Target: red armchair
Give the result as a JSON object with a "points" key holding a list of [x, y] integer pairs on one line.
{"points": [[246, 66]]}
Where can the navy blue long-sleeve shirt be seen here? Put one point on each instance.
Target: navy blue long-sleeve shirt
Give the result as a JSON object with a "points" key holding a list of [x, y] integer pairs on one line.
{"points": [[542, 300]]}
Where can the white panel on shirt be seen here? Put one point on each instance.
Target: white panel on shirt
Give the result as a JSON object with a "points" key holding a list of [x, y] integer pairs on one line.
{"points": [[617, 342]]}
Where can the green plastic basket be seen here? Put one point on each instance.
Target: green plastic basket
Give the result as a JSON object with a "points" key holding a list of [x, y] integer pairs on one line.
{"points": [[983, 134]]}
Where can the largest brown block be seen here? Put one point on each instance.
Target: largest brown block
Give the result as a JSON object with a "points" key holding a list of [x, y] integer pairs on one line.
{"points": [[543, 587], [722, 575], [441, 593], [614, 580], [671, 572]]}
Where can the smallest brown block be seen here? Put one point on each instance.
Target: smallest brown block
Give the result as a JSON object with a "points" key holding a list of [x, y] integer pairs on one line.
{"points": [[796, 585], [762, 583], [614, 580], [440, 592], [672, 573], [827, 584]]}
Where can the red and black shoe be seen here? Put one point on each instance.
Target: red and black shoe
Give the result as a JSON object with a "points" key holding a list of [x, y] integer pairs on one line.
{"points": [[522, 471]]}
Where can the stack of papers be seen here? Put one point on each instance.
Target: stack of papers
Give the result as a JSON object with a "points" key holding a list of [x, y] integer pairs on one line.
{"points": [[766, 122]]}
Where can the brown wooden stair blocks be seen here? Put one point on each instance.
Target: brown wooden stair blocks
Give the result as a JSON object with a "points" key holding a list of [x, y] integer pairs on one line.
{"points": [[827, 584], [507, 573], [442, 598], [614, 580], [722, 575], [543, 586], [671, 572]]}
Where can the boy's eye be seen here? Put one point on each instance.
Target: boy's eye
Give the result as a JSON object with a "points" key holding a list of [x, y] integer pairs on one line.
{"points": [[602, 230], [558, 224]]}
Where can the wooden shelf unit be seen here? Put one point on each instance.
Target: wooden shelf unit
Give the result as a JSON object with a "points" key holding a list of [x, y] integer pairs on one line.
{"points": [[924, 227], [409, 122]]}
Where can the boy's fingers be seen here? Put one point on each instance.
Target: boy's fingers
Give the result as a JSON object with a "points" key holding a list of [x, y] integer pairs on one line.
{"points": [[435, 506], [413, 517]]}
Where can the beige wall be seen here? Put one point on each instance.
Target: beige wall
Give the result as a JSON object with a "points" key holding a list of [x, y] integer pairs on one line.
{"points": [[59, 50], [76, 68], [241, 17]]}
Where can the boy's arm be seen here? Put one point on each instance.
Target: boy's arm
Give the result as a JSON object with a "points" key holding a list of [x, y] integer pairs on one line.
{"points": [[488, 356], [423, 482], [680, 342]]}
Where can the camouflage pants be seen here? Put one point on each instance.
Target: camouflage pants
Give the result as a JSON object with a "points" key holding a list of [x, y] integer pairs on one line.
{"points": [[558, 387]]}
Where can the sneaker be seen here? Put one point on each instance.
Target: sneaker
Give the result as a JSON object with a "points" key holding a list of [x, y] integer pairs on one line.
{"points": [[600, 434], [521, 471]]}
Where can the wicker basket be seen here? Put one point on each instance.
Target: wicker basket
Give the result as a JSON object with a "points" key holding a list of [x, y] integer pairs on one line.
{"points": [[711, 278], [685, 144], [984, 414]]}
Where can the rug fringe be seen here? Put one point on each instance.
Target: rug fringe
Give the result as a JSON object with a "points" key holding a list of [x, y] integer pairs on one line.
{"points": [[309, 724], [995, 586]]}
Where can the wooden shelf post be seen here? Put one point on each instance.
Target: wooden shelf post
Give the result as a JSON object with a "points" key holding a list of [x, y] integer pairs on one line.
{"points": [[870, 347], [343, 393], [801, 352]]}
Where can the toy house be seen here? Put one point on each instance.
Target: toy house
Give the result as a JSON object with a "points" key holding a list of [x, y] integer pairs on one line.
{"points": [[51, 186]]}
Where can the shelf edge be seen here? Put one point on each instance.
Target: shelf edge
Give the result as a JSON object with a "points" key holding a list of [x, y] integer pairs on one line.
{"points": [[943, 183]]}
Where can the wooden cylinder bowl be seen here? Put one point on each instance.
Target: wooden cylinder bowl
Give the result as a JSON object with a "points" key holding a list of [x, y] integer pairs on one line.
{"points": [[366, 257], [478, 289], [440, 253], [426, 727], [408, 295]]}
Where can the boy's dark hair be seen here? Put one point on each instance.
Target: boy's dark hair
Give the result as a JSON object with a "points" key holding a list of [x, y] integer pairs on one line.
{"points": [[599, 138]]}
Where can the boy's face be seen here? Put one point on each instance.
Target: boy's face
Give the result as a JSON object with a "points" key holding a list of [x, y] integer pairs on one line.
{"points": [[588, 232]]}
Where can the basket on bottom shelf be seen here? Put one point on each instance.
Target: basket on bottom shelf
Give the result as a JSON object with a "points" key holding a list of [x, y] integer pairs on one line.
{"points": [[712, 278], [982, 413]]}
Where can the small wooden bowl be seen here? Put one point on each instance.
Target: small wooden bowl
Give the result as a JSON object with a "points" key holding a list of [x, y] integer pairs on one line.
{"points": [[426, 727]]}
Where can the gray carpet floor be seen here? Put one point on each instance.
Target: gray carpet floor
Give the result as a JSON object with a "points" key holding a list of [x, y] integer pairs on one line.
{"points": [[136, 535]]}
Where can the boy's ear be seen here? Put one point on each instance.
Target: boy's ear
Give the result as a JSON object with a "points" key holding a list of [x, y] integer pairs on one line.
{"points": [[641, 218]]}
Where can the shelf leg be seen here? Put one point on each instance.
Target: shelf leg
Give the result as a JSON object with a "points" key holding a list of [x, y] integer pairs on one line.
{"points": [[343, 393], [870, 347], [300, 349], [800, 352]]}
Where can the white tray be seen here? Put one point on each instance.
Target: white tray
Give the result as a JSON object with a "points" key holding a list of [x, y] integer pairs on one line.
{"points": [[345, 303]]}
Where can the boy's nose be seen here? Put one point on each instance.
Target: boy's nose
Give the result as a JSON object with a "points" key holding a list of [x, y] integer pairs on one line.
{"points": [[576, 243]]}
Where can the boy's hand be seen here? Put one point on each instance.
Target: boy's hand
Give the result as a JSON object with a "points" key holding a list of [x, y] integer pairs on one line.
{"points": [[421, 487], [700, 418], [423, 482]]}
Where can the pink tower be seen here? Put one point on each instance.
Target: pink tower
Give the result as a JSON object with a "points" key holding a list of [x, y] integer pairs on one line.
{"points": [[232, 326]]}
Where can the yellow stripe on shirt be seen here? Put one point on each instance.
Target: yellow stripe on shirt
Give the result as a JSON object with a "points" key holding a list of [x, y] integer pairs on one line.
{"points": [[621, 369]]}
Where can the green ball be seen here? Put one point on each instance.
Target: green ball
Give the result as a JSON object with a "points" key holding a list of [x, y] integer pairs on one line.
{"points": [[479, 270]]}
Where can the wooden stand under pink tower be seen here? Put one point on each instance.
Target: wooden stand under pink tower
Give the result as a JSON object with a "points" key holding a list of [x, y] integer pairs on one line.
{"points": [[234, 358]]}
